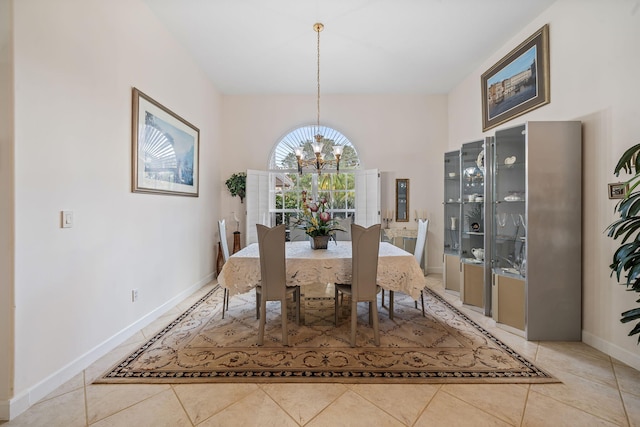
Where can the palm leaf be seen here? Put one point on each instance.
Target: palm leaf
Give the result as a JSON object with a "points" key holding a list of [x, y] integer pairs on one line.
{"points": [[626, 259], [629, 161]]}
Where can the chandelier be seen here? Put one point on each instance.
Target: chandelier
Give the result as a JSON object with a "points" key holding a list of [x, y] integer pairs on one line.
{"points": [[318, 161]]}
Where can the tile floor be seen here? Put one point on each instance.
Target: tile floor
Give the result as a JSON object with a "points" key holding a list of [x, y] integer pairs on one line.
{"points": [[595, 391]]}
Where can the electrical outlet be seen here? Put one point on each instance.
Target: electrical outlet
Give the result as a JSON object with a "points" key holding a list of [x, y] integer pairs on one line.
{"points": [[134, 295]]}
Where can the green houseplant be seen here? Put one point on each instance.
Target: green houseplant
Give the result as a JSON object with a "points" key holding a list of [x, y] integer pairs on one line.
{"points": [[237, 185], [626, 259]]}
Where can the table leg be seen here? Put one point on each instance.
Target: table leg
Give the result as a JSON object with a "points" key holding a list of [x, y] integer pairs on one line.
{"points": [[391, 305]]}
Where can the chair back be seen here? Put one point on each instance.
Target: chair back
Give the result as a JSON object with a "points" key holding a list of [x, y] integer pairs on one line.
{"points": [[222, 229], [272, 261], [421, 239], [345, 224], [365, 243], [296, 234]]}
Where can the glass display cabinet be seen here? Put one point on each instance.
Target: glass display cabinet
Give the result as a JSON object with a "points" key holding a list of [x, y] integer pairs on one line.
{"points": [[535, 243], [473, 285], [452, 221]]}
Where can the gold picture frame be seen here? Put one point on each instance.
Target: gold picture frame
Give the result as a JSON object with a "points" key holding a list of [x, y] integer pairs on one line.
{"points": [[518, 83], [165, 150], [617, 190]]}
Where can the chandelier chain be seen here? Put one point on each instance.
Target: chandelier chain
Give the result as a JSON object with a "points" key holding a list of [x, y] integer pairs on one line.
{"points": [[318, 28]]}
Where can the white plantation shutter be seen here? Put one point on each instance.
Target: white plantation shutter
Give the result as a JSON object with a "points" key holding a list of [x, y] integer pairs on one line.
{"points": [[367, 197], [257, 202]]}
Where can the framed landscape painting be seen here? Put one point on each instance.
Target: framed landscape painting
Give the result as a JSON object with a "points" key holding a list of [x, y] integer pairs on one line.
{"points": [[518, 83], [166, 150]]}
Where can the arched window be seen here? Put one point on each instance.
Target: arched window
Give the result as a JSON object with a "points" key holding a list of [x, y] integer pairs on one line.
{"points": [[288, 184], [283, 154]]}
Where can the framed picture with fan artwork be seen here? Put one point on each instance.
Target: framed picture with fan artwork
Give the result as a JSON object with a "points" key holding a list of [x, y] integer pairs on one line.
{"points": [[165, 150]]}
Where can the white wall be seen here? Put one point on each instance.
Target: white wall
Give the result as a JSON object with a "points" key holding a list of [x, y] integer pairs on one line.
{"points": [[402, 135], [75, 64], [594, 59], [6, 207]]}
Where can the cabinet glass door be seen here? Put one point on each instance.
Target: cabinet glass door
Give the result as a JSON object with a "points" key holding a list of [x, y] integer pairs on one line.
{"points": [[472, 226], [452, 203], [509, 256]]}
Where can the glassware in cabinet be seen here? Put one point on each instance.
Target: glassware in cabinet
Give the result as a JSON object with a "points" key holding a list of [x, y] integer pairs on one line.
{"points": [[451, 253]]}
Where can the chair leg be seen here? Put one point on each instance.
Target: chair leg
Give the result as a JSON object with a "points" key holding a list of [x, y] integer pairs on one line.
{"points": [[263, 320], [335, 304], [257, 305], [422, 298], [370, 311], [225, 299], [382, 303], [299, 301], [391, 295], [376, 331], [354, 320], [285, 332]]}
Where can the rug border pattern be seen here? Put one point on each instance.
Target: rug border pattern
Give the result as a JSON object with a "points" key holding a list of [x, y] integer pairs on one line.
{"points": [[532, 374]]}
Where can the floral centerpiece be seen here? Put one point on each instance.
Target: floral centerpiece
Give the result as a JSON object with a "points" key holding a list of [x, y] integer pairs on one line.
{"points": [[316, 221]]}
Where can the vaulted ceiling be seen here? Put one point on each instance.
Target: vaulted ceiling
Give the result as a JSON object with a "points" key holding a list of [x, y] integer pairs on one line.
{"points": [[367, 46]]}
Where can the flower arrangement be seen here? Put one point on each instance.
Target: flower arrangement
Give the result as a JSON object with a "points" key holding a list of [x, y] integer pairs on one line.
{"points": [[314, 219]]}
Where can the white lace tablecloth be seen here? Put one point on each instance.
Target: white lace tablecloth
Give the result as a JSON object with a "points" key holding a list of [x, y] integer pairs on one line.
{"points": [[398, 270]]}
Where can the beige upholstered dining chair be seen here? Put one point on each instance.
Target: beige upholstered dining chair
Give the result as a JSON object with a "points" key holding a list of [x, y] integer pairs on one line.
{"points": [[344, 224], [273, 277], [222, 229], [296, 234], [365, 243], [421, 240]]}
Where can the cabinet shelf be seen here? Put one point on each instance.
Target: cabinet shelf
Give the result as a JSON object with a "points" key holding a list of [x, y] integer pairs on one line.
{"points": [[508, 272], [511, 238], [501, 166]]}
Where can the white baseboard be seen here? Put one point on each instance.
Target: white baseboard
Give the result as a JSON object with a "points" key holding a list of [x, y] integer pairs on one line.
{"points": [[20, 403], [625, 356]]}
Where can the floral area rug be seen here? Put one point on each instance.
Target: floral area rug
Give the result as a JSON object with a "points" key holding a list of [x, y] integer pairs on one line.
{"points": [[444, 347]]}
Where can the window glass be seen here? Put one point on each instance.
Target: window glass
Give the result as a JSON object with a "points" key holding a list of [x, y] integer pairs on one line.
{"points": [[337, 188]]}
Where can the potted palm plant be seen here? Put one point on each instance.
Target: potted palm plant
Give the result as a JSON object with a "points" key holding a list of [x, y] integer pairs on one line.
{"points": [[626, 259]]}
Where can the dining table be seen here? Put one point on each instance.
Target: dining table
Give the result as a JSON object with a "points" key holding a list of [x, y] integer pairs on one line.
{"points": [[398, 270]]}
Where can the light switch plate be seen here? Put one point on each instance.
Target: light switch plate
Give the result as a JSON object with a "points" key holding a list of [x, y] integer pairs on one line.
{"points": [[66, 219]]}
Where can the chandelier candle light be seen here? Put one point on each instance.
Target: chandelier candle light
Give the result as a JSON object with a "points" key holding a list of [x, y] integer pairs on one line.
{"points": [[319, 161]]}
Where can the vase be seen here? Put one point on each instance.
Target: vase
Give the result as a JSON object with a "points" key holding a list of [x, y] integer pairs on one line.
{"points": [[236, 241], [319, 242]]}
